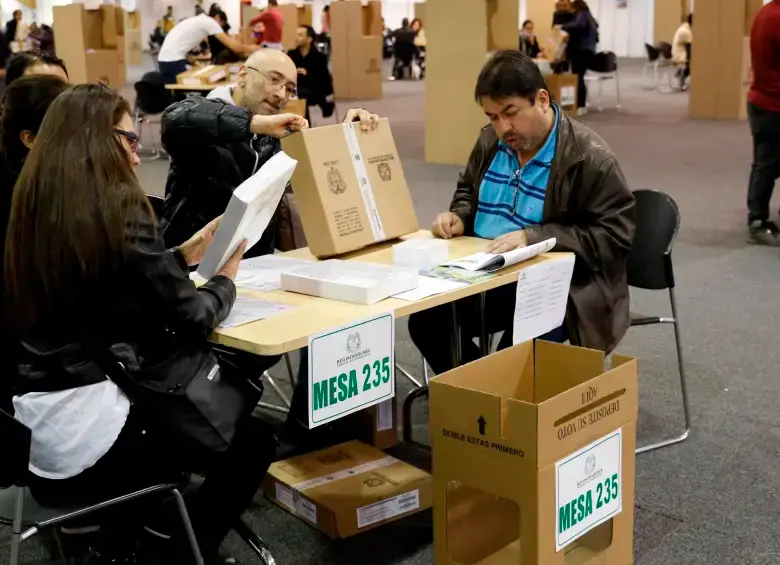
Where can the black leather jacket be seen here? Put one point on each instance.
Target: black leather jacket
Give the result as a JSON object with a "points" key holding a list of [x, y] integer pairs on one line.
{"points": [[141, 307], [589, 210], [212, 152]]}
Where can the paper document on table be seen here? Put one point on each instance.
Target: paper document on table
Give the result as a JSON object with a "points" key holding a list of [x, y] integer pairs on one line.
{"points": [[264, 273], [246, 309], [430, 286], [249, 211], [542, 295], [494, 261], [458, 275]]}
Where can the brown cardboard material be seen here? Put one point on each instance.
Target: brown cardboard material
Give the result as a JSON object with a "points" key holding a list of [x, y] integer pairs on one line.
{"points": [[356, 59], [210, 74], [348, 489], [563, 89], [334, 213], [295, 106], [103, 66], [376, 425], [503, 426], [366, 77]]}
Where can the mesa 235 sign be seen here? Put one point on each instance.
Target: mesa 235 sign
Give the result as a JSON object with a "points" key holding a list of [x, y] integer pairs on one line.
{"points": [[351, 367]]}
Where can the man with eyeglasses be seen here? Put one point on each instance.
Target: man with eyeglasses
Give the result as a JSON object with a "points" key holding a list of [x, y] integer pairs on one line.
{"points": [[535, 174]]}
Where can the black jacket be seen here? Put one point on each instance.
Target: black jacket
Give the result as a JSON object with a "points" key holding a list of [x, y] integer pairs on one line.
{"points": [[142, 306], [317, 83], [589, 210], [212, 152]]}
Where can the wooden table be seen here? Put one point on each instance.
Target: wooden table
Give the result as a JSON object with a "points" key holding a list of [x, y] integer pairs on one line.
{"points": [[291, 330], [198, 87]]}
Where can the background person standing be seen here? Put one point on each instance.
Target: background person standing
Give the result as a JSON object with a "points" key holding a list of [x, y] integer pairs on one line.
{"points": [[763, 109], [273, 25]]}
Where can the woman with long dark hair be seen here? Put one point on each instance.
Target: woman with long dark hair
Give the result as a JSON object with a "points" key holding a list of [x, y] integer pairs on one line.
{"points": [[583, 33], [87, 274]]}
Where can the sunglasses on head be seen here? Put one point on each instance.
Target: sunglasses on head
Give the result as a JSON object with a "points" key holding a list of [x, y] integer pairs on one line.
{"points": [[131, 137]]}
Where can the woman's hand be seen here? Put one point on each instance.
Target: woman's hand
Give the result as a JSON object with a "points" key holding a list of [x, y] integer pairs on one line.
{"points": [[195, 247], [230, 268], [277, 126]]}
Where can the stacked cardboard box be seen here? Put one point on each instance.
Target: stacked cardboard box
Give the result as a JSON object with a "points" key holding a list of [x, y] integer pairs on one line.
{"points": [[356, 43], [93, 48]]}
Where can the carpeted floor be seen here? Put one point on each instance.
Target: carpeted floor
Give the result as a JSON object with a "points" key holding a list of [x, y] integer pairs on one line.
{"points": [[711, 500]]}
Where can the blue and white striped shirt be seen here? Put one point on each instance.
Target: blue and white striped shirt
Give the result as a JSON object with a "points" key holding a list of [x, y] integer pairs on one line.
{"points": [[510, 196]]}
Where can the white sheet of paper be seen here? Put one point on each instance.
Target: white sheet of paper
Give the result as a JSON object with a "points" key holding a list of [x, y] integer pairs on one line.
{"points": [[247, 309], [429, 286], [542, 294], [483, 261], [249, 211]]}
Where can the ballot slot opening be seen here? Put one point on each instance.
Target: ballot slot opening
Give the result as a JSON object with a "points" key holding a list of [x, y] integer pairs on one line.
{"points": [[585, 548], [481, 526]]}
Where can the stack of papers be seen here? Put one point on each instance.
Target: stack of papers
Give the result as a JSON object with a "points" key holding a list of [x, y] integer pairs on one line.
{"points": [[430, 286], [247, 310], [542, 296], [249, 211], [494, 261], [350, 281], [264, 273]]}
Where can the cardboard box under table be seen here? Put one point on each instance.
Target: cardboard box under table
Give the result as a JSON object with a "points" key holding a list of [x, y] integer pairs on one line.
{"points": [[210, 74], [348, 489], [563, 90], [350, 187], [533, 458]]}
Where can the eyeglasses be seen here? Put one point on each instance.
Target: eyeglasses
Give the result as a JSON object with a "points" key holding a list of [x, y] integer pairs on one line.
{"points": [[278, 82], [131, 137]]}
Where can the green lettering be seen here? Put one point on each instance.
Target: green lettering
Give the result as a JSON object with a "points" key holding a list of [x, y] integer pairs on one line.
{"points": [[353, 386], [564, 518], [342, 387], [589, 503], [580, 508], [573, 505], [320, 396], [332, 390]]}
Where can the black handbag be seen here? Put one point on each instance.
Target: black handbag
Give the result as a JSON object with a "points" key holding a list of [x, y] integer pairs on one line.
{"points": [[191, 396]]}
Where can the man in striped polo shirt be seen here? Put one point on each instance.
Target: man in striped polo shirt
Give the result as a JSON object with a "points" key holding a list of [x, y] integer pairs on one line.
{"points": [[534, 174]]}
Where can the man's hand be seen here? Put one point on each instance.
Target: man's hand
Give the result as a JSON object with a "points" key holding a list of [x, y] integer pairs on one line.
{"points": [[368, 121], [448, 225], [195, 247], [508, 242], [277, 126], [301, 71]]}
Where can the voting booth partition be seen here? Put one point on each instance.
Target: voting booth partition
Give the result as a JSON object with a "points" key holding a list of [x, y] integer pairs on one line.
{"points": [[356, 49], [533, 458], [95, 50]]}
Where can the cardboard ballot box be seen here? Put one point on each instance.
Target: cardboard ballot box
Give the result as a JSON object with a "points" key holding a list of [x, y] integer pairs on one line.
{"points": [[533, 458], [209, 74], [348, 489], [563, 89], [350, 187]]}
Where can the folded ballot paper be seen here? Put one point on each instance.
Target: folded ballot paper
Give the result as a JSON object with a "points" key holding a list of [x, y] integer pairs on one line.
{"points": [[250, 209], [489, 262]]}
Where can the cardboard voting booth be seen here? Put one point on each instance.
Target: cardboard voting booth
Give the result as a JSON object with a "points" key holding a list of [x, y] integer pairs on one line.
{"points": [[563, 89], [348, 489], [356, 58], [533, 458], [350, 187]]}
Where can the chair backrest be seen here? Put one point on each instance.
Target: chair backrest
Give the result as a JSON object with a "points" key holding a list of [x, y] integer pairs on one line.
{"points": [[157, 204], [151, 96], [650, 259], [604, 62], [665, 49], [15, 440], [652, 53]]}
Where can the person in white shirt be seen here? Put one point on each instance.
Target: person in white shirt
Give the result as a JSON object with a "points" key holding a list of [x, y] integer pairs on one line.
{"points": [[683, 38], [186, 36]]}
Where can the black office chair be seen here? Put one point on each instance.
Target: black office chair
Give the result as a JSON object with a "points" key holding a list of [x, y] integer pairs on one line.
{"points": [[27, 517], [659, 59], [151, 99], [604, 66], [650, 268]]}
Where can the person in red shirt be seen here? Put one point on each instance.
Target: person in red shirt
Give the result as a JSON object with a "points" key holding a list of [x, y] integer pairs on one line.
{"points": [[764, 117], [273, 22]]}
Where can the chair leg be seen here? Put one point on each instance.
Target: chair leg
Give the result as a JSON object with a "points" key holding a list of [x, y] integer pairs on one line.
{"points": [[617, 88], [16, 535], [185, 518], [290, 372], [683, 387], [254, 542]]}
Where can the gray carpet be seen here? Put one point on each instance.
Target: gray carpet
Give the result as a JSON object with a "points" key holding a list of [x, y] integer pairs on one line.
{"points": [[711, 500]]}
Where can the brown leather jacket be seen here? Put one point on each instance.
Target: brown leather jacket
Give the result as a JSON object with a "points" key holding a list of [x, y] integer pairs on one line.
{"points": [[589, 210]]}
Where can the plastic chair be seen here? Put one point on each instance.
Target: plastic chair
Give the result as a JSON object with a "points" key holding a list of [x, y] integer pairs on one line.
{"points": [[28, 518], [605, 67], [658, 58], [650, 267], [151, 99]]}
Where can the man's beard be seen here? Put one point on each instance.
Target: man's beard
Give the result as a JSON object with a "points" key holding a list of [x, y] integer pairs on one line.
{"points": [[518, 143]]}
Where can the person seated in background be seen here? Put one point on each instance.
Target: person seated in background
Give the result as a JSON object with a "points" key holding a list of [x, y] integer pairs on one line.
{"points": [[24, 105], [271, 20], [27, 63], [187, 35], [419, 33], [528, 42], [87, 271], [681, 47], [534, 175], [404, 49], [315, 83]]}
